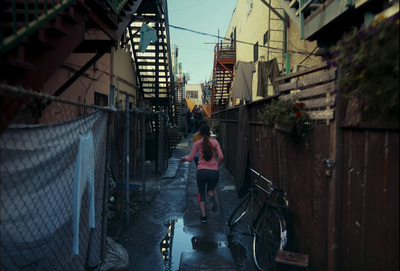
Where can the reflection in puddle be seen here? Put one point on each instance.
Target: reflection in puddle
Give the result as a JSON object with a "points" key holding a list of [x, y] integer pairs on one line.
{"points": [[238, 251], [202, 244], [177, 241]]}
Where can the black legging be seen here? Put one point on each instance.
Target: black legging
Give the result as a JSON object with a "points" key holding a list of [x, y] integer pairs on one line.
{"points": [[206, 177]]}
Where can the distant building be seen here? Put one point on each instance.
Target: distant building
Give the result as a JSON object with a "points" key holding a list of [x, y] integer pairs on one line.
{"points": [[262, 34], [193, 92]]}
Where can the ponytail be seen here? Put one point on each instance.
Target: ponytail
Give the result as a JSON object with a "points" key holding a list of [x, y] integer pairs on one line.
{"points": [[207, 148]]}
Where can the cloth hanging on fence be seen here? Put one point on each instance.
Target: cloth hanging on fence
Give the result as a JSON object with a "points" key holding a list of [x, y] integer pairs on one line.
{"points": [[84, 175], [242, 85], [266, 70], [147, 35], [37, 177]]}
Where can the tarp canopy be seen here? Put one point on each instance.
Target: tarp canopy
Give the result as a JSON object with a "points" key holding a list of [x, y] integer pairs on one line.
{"points": [[207, 110], [190, 104]]}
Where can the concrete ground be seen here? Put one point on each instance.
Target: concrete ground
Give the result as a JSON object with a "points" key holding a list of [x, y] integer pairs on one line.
{"points": [[165, 231]]}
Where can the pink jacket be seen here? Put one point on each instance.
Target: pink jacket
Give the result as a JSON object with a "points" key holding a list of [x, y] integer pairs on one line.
{"points": [[213, 164]]}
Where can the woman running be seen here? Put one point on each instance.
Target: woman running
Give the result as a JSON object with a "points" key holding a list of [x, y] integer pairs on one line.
{"points": [[207, 170]]}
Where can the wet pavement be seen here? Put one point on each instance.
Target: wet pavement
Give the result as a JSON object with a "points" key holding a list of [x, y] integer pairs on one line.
{"points": [[165, 231]]}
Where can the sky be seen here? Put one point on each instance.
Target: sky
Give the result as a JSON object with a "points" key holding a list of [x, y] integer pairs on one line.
{"points": [[196, 51]]}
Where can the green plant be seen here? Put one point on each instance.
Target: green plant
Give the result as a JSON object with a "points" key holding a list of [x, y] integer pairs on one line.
{"points": [[287, 113], [368, 65], [173, 132], [215, 128]]}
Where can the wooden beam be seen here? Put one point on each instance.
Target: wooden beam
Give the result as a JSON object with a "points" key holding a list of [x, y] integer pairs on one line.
{"points": [[285, 20]]}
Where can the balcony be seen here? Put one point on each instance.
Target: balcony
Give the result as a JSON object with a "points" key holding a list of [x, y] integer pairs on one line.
{"points": [[326, 20], [223, 73]]}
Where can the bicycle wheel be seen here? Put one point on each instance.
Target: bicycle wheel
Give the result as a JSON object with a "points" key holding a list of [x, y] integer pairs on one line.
{"points": [[241, 210], [270, 236]]}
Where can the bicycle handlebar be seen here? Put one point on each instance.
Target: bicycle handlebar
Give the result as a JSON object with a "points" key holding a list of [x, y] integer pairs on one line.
{"points": [[271, 183], [259, 175]]}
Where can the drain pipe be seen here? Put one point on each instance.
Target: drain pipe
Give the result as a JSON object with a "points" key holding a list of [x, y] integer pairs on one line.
{"points": [[127, 160], [107, 174], [110, 123], [286, 54]]}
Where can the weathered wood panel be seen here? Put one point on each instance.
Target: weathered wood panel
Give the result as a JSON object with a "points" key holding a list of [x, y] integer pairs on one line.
{"points": [[307, 191], [370, 203], [315, 91], [327, 114], [242, 148], [363, 197], [314, 69], [321, 102], [307, 82]]}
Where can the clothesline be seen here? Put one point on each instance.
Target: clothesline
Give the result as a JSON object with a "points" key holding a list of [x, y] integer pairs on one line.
{"points": [[239, 41]]}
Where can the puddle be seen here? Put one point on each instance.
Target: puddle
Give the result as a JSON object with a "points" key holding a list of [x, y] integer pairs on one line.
{"points": [[177, 241], [238, 251]]}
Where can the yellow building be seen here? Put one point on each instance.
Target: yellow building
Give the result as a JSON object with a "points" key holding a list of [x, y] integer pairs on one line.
{"points": [[261, 36]]}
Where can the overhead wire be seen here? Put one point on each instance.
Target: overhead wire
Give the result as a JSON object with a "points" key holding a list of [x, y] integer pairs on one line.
{"points": [[239, 41]]}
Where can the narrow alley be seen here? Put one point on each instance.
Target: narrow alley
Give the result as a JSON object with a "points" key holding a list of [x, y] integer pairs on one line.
{"points": [[167, 234], [99, 100]]}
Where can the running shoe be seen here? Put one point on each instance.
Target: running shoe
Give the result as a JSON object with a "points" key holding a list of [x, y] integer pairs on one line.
{"points": [[203, 219], [214, 205]]}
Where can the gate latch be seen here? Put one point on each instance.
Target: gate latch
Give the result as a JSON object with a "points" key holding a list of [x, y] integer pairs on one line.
{"points": [[329, 166]]}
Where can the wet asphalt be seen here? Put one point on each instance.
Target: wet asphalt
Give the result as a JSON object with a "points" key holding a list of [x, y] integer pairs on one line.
{"points": [[165, 232]]}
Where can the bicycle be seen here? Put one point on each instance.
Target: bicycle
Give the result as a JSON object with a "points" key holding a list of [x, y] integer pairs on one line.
{"points": [[268, 229]]}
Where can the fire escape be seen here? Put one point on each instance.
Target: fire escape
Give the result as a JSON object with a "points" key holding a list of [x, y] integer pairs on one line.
{"points": [[223, 73], [152, 65], [36, 37]]}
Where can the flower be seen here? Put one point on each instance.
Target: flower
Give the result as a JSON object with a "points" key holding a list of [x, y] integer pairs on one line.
{"points": [[287, 113], [368, 65]]}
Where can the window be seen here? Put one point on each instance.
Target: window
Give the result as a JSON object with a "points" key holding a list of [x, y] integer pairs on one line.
{"points": [[192, 94], [100, 99], [249, 6], [255, 52], [266, 37], [233, 38]]}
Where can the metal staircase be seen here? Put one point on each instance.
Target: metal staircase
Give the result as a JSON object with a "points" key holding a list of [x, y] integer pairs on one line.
{"points": [[152, 65], [178, 101], [36, 36], [223, 73]]}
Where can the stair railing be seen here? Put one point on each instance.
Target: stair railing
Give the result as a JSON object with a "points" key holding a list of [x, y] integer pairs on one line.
{"points": [[30, 24], [117, 5], [42, 15]]}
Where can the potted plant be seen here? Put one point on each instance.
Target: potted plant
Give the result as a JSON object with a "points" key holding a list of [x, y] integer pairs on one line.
{"points": [[287, 116]]}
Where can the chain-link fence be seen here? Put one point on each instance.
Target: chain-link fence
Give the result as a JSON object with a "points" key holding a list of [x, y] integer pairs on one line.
{"points": [[58, 160]]}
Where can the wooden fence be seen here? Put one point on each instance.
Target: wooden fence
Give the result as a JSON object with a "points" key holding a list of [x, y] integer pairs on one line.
{"points": [[343, 185]]}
